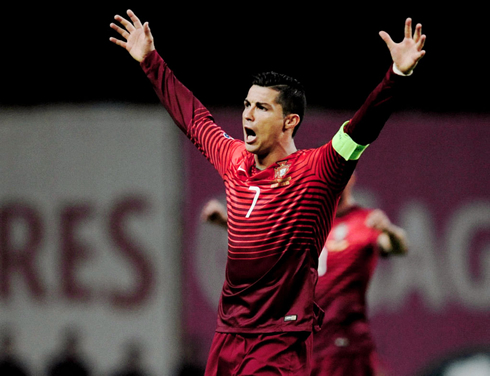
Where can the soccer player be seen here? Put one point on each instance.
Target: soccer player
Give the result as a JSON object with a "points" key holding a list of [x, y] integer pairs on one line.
{"points": [[280, 201], [344, 345]]}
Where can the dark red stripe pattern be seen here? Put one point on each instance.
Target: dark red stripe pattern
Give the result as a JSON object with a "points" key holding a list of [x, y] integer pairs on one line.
{"points": [[279, 218]]}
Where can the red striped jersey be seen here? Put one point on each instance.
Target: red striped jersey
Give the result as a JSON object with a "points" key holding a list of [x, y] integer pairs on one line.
{"points": [[346, 266], [278, 218]]}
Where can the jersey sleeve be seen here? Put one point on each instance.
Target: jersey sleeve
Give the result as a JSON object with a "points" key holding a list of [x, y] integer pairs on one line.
{"points": [[333, 168], [189, 114], [344, 145], [369, 120], [355, 135]]}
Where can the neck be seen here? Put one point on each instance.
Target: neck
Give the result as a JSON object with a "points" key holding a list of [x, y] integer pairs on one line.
{"points": [[262, 162]]}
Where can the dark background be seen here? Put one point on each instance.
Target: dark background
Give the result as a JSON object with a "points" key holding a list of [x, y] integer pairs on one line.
{"points": [[62, 54]]}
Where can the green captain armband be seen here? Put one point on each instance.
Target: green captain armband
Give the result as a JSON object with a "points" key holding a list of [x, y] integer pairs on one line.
{"points": [[346, 146]]}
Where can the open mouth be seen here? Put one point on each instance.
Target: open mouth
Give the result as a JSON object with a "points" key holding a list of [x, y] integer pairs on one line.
{"points": [[250, 135]]}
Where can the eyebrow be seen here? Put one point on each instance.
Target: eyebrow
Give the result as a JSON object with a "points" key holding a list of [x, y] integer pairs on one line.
{"points": [[262, 104]]}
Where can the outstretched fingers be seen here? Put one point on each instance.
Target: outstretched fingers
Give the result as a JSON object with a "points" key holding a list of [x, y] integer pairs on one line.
{"points": [[136, 21], [136, 37], [408, 52], [418, 37], [118, 42], [408, 28], [386, 37], [125, 33], [146, 29], [120, 30], [418, 33], [128, 25]]}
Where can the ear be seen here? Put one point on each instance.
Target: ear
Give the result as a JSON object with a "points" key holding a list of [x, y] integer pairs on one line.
{"points": [[291, 121]]}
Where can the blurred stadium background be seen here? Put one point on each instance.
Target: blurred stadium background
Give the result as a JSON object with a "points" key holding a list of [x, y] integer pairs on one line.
{"points": [[100, 194]]}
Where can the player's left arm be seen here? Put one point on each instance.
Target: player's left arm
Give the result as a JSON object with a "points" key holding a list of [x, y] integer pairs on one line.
{"points": [[366, 124], [393, 239], [406, 54]]}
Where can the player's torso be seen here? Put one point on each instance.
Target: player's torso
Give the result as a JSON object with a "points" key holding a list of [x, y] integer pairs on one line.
{"points": [[285, 208], [345, 268], [346, 265], [350, 255]]}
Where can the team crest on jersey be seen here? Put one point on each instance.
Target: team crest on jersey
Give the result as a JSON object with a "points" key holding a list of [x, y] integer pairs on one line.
{"points": [[282, 170], [336, 241], [279, 174], [340, 232]]}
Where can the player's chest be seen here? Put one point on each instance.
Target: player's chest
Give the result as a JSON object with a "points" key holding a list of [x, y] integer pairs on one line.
{"points": [[348, 236], [280, 176]]}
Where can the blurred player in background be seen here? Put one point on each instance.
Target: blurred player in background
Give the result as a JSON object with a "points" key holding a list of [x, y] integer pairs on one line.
{"points": [[344, 345], [281, 200]]}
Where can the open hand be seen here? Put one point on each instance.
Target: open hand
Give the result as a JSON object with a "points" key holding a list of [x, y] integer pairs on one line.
{"points": [[139, 40], [407, 53]]}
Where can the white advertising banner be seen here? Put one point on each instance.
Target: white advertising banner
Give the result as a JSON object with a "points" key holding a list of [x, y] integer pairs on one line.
{"points": [[89, 234]]}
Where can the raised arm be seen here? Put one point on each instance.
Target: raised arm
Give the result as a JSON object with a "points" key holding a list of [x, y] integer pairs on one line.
{"points": [[138, 38], [190, 115], [368, 121], [409, 51], [174, 96]]}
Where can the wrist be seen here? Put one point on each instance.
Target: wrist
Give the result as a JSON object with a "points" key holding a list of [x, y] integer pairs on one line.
{"points": [[400, 73]]}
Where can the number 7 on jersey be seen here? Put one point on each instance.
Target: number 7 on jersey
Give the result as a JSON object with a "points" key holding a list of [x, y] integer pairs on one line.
{"points": [[254, 202]]}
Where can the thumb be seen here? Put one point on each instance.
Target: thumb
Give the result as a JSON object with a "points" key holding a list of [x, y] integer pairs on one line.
{"points": [[386, 37]]}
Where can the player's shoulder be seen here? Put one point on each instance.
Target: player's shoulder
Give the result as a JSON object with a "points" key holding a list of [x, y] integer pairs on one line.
{"points": [[322, 149]]}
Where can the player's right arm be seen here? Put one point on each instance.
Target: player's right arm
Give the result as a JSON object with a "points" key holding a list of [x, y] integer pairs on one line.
{"points": [[138, 40], [184, 108]]}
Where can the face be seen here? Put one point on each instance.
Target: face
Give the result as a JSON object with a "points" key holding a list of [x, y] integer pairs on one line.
{"points": [[263, 121]]}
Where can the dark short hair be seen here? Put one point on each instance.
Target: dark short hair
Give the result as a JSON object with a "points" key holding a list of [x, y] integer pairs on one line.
{"points": [[291, 96]]}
